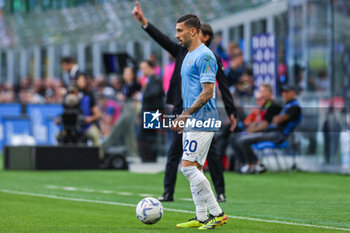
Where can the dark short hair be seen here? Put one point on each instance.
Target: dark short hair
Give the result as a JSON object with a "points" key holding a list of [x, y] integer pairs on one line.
{"points": [[289, 88], [190, 21], [248, 71], [150, 63], [67, 60], [207, 31]]}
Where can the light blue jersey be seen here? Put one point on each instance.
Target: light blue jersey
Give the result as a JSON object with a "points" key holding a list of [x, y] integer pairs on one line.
{"points": [[199, 66]]}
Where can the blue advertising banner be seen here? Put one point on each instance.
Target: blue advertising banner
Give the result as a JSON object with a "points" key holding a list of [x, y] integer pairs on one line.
{"points": [[13, 110], [17, 129], [41, 115], [265, 60], [52, 130]]}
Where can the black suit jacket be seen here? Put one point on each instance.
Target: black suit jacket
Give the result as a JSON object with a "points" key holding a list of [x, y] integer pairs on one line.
{"points": [[179, 52], [153, 95]]}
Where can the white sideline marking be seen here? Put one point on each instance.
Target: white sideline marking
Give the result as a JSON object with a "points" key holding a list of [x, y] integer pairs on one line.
{"points": [[186, 199], [167, 209], [70, 189], [106, 191], [124, 193], [145, 195], [97, 191], [87, 190]]}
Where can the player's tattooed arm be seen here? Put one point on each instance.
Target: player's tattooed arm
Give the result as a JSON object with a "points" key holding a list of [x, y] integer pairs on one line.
{"points": [[203, 98], [206, 94]]}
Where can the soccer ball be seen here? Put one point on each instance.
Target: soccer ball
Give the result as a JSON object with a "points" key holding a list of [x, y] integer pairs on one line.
{"points": [[149, 210]]}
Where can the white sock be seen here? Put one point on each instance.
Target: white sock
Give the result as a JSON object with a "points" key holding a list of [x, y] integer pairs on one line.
{"points": [[208, 195], [201, 206], [201, 183]]}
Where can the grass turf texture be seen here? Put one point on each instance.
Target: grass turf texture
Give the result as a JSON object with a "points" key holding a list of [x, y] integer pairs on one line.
{"points": [[321, 199]]}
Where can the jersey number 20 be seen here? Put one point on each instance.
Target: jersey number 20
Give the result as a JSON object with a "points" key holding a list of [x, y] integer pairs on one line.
{"points": [[192, 146]]}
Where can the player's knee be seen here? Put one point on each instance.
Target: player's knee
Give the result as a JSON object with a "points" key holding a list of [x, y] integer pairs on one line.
{"points": [[188, 171], [186, 163], [193, 175]]}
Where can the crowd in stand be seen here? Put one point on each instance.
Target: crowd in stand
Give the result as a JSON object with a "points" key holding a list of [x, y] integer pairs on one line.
{"points": [[39, 91], [52, 90]]}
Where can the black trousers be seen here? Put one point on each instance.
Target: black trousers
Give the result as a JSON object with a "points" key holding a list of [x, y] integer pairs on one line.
{"points": [[243, 142], [173, 160], [147, 142], [227, 137]]}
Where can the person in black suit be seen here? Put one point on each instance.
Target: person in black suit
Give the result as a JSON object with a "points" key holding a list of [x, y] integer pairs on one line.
{"points": [[153, 94], [69, 65], [174, 98], [152, 101]]}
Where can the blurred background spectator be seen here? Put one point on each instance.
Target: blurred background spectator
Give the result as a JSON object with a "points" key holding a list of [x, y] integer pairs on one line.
{"points": [[152, 101], [124, 126]]}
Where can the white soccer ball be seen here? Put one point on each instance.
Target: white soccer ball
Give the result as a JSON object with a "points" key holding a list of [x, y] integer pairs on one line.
{"points": [[149, 210]]}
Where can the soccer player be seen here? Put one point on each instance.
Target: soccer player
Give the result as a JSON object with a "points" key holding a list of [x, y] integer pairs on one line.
{"points": [[174, 98], [198, 72]]}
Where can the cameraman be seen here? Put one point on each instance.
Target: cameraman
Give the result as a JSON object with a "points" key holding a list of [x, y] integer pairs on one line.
{"points": [[89, 110]]}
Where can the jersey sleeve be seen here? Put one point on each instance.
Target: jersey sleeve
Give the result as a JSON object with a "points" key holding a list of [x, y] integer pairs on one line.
{"points": [[207, 68], [293, 112]]}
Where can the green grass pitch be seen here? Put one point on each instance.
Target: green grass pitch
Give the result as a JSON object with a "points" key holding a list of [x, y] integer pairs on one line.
{"points": [[88, 201]]}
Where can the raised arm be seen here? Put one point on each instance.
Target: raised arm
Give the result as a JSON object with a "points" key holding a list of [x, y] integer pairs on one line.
{"points": [[162, 39]]}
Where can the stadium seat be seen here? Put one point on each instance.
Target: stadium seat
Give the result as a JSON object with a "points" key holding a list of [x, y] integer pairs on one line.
{"points": [[271, 145], [277, 150]]}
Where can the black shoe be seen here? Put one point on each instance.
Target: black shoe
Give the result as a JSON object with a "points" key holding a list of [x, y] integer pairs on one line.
{"points": [[166, 197], [221, 197]]}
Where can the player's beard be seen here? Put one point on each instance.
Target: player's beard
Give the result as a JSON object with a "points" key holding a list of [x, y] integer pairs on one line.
{"points": [[187, 43]]}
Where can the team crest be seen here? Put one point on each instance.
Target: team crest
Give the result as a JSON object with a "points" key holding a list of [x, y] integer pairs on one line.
{"points": [[208, 58]]}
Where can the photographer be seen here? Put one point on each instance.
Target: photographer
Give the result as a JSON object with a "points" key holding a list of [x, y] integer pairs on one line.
{"points": [[89, 110], [79, 119], [71, 120]]}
